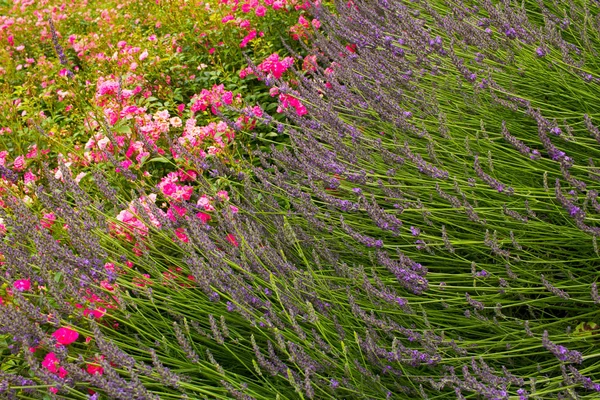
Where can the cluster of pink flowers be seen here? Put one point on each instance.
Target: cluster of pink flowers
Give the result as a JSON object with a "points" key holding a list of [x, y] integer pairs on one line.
{"points": [[20, 164], [275, 67], [52, 365], [119, 104], [259, 8], [131, 224], [287, 100], [48, 220], [249, 37], [111, 93], [202, 141], [97, 145], [126, 55], [174, 191], [301, 29], [83, 45], [249, 5], [95, 306], [64, 336], [214, 98]]}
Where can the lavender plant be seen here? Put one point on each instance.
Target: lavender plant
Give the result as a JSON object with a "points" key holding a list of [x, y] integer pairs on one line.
{"points": [[457, 138], [430, 232]]}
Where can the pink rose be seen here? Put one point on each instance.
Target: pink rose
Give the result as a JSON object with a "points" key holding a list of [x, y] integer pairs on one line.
{"points": [[50, 363], [260, 11], [19, 163], [65, 336], [22, 285]]}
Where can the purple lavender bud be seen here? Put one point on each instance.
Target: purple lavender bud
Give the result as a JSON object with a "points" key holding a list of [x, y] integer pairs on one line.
{"points": [[522, 394], [398, 52], [230, 306], [574, 210], [510, 33], [556, 131], [561, 352], [556, 154], [415, 231], [554, 290], [474, 303], [540, 52]]}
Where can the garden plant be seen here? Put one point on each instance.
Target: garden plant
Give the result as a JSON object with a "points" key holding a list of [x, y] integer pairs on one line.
{"points": [[285, 199]]}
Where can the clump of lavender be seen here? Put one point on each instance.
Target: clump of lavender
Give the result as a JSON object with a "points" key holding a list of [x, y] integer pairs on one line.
{"points": [[322, 290], [407, 109]]}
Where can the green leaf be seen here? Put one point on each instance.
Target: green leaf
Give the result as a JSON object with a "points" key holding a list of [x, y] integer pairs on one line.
{"points": [[585, 329], [159, 159], [122, 129]]}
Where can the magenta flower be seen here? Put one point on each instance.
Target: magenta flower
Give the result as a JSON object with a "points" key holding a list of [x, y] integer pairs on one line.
{"points": [[203, 216], [96, 313], [48, 220], [231, 239], [248, 38], [22, 285], [50, 363], [180, 233], [95, 368], [65, 336]]}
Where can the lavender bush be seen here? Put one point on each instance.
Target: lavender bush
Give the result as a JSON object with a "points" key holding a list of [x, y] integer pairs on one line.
{"points": [[430, 231]]}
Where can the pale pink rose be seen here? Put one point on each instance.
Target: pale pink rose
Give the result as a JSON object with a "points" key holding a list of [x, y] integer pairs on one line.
{"points": [[19, 163]]}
